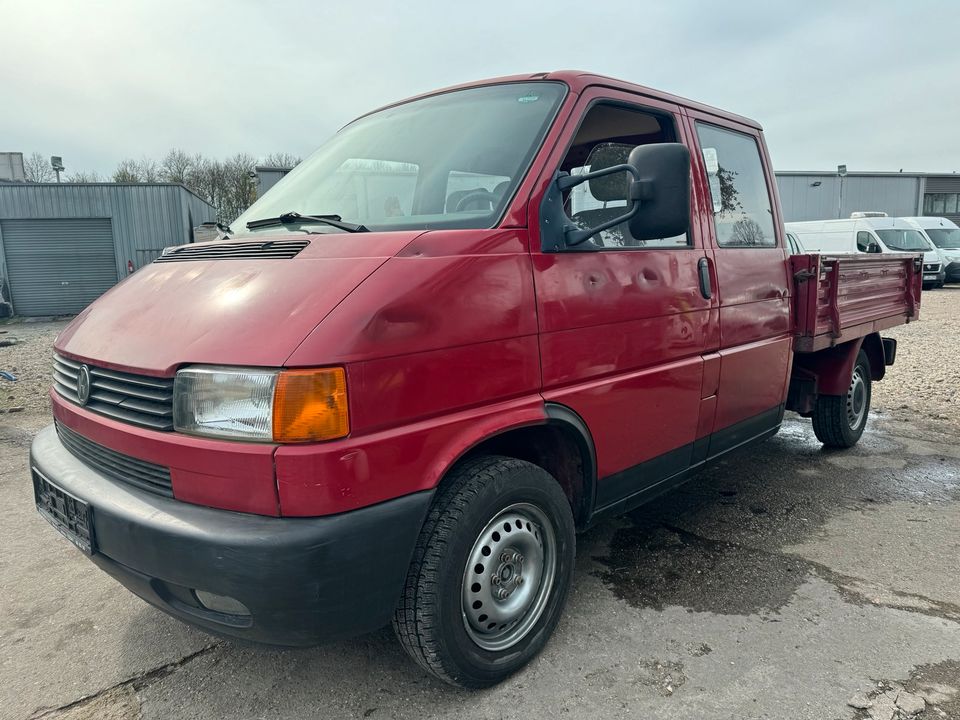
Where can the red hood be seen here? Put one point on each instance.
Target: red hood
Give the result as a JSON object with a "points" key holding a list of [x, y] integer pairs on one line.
{"points": [[236, 312]]}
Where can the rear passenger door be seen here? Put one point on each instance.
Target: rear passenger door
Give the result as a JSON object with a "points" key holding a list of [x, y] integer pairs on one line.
{"points": [[745, 230], [623, 322]]}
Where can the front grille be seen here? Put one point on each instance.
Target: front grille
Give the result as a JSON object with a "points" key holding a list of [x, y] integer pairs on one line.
{"points": [[136, 399], [932, 267], [269, 250], [139, 473]]}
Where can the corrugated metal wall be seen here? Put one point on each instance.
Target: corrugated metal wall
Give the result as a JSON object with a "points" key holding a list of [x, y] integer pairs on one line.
{"points": [[145, 218], [896, 195]]}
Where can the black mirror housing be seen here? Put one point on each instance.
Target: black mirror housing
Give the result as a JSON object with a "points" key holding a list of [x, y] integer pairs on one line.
{"points": [[662, 186]]}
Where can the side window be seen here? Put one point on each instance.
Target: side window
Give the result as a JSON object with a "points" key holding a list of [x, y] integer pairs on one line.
{"points": [[864, 241], [742, 213], [605, 138]]}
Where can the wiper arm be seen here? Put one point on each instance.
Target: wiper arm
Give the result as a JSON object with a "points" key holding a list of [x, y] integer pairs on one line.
{"points": [[295, 218]]}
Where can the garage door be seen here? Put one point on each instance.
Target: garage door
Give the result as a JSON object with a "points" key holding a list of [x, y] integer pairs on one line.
{"points": [[58, 266]]}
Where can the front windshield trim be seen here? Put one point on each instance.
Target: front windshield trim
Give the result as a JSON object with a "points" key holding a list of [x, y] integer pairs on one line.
{"points": [[424, 221]]}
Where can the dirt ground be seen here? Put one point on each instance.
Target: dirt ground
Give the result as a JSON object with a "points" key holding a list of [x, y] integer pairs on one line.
{"points": [[785, 582]]}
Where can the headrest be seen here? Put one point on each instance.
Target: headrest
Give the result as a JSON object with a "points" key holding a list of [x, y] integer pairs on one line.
{"points": [[613, 186]]}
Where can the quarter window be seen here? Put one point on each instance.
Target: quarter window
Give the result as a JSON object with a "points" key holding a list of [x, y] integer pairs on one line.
{"points": [[742, 213]]}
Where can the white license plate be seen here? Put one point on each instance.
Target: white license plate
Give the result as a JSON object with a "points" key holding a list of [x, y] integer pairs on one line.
{"points": [[929, 277]]}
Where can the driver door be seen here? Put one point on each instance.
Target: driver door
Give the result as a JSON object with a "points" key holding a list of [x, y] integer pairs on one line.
{"points": [[624, 324]]}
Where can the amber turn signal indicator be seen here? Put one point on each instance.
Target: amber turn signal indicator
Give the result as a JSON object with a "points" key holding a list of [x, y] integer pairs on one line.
{"points": [[310, 405]]}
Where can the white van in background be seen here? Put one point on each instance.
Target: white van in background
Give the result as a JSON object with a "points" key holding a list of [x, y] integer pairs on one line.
{"points": [[945, 235], [871, 233]]}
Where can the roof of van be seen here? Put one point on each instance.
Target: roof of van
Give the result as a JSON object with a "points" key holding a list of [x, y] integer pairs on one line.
{"points": [[874, 223], [927, 221], [578, 81]]}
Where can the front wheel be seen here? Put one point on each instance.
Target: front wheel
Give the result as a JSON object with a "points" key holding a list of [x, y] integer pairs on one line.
{"points": [[490, 572], [839, 420]]}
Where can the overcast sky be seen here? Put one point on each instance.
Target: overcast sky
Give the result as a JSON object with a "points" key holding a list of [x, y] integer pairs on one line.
{"points": [[870, 84]]}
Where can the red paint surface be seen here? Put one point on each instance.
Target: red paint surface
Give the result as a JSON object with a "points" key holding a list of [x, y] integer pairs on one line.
{"points": [[451, 337]]}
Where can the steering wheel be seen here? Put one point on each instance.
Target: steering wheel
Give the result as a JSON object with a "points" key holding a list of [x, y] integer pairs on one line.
{"points": [[479, 194]]}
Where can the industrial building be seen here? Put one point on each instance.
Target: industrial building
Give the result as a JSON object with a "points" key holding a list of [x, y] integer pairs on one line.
{"points": [[828, 195], [62, 245], [268, 176]]}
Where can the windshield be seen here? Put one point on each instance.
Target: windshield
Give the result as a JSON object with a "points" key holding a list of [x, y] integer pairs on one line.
{"points": [[946, 238], [909, 240], [447, 161]]}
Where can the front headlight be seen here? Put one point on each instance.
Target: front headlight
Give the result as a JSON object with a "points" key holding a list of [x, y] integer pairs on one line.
{"points": [[286, 406]]}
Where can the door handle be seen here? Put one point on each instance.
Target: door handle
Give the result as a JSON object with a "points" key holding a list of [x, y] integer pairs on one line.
{"points": [[703, 270]]}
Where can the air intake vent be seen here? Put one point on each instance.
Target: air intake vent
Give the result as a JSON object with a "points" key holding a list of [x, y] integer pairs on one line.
{"points": [[269, 250], [139, 473]]}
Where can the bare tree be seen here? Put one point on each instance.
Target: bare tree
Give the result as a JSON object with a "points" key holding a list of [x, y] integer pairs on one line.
{"points": [[281, 160], [177, 166], [37, 169], [85, 177], [128, 171]]}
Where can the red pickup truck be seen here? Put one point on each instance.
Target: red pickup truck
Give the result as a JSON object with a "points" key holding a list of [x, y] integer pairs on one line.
{"points": [[470, 325]]}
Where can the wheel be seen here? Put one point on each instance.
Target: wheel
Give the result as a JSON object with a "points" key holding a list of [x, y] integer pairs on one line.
{"points": [[839, 420], [490, 572]]}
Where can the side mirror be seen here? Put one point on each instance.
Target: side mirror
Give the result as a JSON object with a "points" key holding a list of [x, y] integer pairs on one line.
{"points": [[873, 248], [663, 190], [657, 192]]}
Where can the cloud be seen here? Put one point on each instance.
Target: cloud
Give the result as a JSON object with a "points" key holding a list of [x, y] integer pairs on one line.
{"points": [[866, 84]]}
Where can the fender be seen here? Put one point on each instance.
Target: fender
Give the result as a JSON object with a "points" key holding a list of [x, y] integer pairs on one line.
{"points": [[831, 368], [328, 478]]}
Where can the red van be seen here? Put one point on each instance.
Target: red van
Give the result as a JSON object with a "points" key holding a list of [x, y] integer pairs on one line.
{"points": [[468, 326]]}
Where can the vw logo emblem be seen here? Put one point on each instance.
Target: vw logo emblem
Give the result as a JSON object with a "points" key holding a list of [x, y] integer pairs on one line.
{"points": [[83, 385]]}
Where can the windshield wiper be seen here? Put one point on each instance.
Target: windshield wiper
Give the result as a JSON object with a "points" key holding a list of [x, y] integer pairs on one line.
{"points": [[295, 218]]}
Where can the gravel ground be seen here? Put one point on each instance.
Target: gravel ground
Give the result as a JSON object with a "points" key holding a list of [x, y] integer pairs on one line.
{"points": [[924, 380], [30, 361]]}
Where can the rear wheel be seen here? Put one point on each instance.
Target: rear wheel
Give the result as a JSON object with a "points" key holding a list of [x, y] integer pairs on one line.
{"points": [[490, 573], [839, 420]]}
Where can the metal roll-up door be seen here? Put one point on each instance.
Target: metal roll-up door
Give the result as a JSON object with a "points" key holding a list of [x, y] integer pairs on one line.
{"points": [[58, 266]]}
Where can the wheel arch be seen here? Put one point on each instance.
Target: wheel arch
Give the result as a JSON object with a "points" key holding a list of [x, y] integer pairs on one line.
{"points": [[829, 369], [561, 444]]}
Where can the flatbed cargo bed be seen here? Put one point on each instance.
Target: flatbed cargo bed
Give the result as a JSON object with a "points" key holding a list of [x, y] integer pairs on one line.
{"points": [[838, 298]]}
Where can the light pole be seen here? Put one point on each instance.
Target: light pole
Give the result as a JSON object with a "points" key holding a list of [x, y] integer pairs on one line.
{"points": [[841, 172], [56, 162]]}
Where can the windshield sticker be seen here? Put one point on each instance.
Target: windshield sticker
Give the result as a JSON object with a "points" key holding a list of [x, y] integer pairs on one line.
{"points": [[528, 98]]}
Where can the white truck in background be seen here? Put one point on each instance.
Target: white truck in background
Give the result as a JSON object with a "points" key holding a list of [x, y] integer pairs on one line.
{"points": [[945, 236], [871, 233]]}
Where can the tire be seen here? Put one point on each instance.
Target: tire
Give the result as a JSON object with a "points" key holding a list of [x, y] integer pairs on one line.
{"points": [[839, 420], [438, 620]]}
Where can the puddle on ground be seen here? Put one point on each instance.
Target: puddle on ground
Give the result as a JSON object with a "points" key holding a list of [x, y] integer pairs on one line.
{"points": [[664, 566]]}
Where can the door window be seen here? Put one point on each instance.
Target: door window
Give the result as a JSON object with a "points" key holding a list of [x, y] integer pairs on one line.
{"points": [[605, 138], [742, 212], [864, 241]]}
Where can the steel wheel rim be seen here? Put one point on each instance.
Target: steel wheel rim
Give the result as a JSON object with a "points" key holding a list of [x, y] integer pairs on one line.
{"points": [[499, 613], [856, 399]]}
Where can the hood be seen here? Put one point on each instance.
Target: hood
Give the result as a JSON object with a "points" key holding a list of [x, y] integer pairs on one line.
{"points": [[931, 256], [225, 311]]}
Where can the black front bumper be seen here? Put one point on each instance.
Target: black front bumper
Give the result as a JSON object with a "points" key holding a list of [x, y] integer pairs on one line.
{"points": [[303, 580], [952, 271]]}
